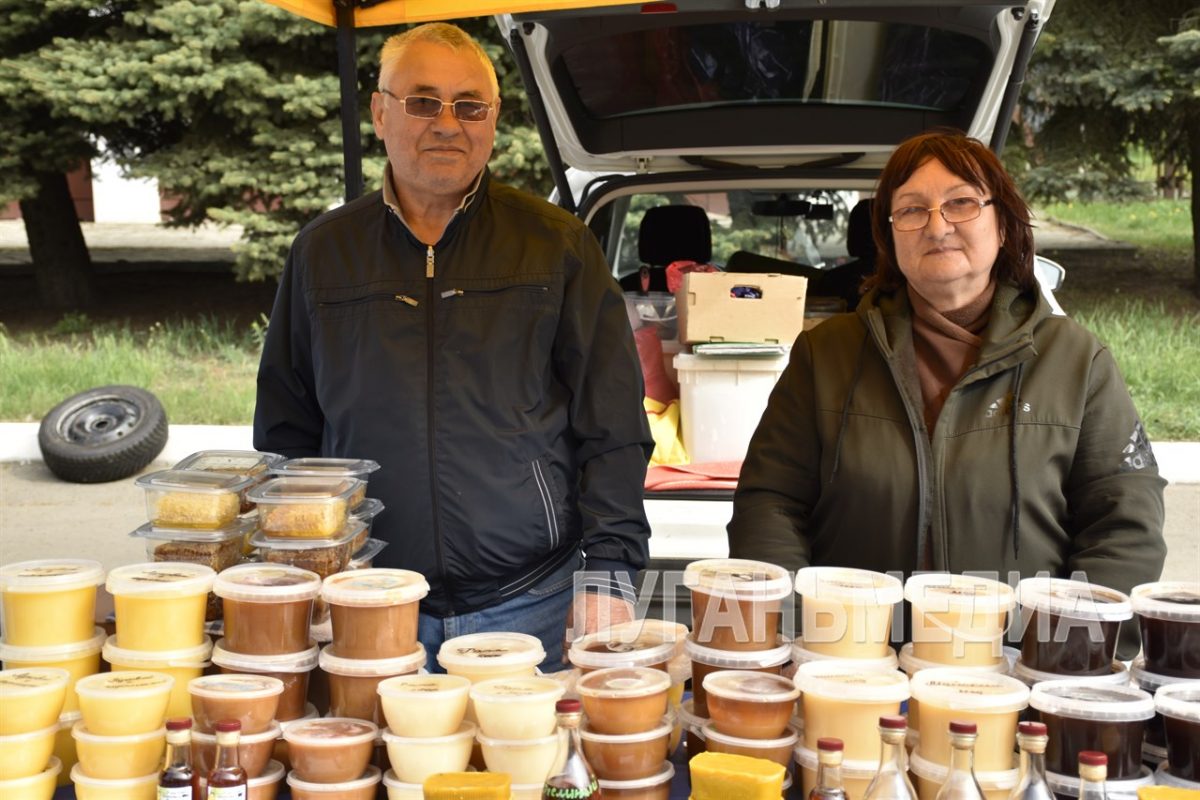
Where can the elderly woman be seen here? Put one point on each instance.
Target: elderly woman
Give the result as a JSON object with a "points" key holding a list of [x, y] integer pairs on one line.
{"points": [[952, 422]]}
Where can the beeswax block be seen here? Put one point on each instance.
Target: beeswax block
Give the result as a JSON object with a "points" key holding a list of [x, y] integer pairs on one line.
{"points": [[725, 776], [468, 786]]}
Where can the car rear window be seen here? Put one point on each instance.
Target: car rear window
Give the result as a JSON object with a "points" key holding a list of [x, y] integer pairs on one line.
{"points": [[814, 62]]}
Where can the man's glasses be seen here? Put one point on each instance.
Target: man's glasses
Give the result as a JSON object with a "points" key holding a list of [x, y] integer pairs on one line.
{"points": [[421, 107], [960, 209]]}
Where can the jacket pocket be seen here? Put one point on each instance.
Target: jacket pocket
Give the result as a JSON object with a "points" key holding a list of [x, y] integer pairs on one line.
{"points": [[550, 501]]}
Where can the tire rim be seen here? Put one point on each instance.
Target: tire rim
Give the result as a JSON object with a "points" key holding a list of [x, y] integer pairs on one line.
{"points": [[99, 421]]}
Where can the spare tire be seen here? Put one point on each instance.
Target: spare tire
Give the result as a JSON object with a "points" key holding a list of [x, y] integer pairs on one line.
{"points": [[103, 434]]}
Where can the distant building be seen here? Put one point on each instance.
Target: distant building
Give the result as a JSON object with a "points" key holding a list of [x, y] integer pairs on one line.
{"points": [[102, 194]]}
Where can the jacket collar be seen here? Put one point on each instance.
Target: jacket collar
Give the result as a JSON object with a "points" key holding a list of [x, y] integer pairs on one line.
{"points": [[470, 202]]}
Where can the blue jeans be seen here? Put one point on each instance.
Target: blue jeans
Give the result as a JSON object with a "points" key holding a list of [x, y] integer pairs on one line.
{"points": [[541, 612]]}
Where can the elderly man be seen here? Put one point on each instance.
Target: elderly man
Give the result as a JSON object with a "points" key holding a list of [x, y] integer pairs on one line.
{"points": [[471, 339]]}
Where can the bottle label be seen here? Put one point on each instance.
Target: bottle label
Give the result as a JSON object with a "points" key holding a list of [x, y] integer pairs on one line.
{"points": [[570, 792], [175, 793], [227, 793]]}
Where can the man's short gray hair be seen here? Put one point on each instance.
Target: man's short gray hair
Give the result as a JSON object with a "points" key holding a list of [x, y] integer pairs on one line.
{"points": [[441, 33]]}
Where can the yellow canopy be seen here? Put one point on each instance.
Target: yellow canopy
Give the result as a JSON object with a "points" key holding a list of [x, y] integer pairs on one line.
{"points": [[395, 12]]}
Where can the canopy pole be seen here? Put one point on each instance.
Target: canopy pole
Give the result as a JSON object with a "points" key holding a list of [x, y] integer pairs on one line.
{"points": [[347, 57]]}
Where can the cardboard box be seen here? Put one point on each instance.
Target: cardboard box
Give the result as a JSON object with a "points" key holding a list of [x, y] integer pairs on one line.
{"points": [[709, 311]]}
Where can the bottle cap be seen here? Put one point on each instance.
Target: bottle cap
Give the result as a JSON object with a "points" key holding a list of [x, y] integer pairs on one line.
{"points": [[1032, 728], [893, 723], [830, 744], [963, 727], [179, 724], [228, 726], [568, 706], [1092, 758]]}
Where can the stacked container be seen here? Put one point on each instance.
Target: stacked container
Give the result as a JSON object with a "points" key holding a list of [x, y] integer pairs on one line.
{"points": [[627, 730], [251, 699], [331, 757], [426, 730], [31, 702], [517, 726]]}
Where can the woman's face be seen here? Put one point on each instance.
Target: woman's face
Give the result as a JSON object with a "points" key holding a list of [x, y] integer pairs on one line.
{"points": [[949, 264]]}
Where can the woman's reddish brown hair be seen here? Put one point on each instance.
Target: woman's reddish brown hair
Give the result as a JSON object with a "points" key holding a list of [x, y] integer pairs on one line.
{"points": [[972, 161]]}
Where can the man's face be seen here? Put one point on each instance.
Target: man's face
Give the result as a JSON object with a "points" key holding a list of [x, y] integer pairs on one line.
{"points": [[439, 156]]}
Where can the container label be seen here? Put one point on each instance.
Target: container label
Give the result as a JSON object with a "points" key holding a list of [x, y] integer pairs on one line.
{"points": [[226, 793], [175, 793]]}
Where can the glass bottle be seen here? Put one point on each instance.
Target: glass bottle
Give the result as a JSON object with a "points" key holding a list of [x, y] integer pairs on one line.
{"points": [[178, 780], [891, 781], [572, 777], [227, 781], [1093, 771], [960, 783], [829, 771], [1032, 738]]}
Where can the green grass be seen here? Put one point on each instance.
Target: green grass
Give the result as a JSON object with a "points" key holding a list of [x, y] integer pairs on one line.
{"points": [[1154, 224], [203, 372]]}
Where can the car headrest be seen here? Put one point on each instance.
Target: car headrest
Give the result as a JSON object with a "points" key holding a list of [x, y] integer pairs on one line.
{"points": [[674, 233], [859, 242]]}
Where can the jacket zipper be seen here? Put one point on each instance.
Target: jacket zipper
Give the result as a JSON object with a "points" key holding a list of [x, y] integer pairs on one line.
{"points": [[430, 421], [402, 298], [524, 287]]}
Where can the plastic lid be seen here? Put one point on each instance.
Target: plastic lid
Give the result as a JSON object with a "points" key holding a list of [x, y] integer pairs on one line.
{"points": [[273, 731], [886, 663], [858, 587], [325, 467], [374, 587], [688, 717], [750, 687], [855, 769], [265, 541], [370, 549], [243, 462], [625, 647], [789, 739], [52, 653], [80, 731], [738, 578], [989, 780], [50, 575], [237, 529], [657, 779], [1150, 681], [161, 579], [272, 773], [331, 732], [197, 656], [1074, 599], [943, 591], [18, 738], [404, 685], [623, 683], [368, 509], [304, 490], [466, 730], [1083, 700], [512, 744], [300, 661], [1178, 701], [310, 712], [244, 687], [114, 787], [125, 684], [510, 690], [663, 729], [267, 583], [491, 650], [1117, 676], [739, 659], [963, 690], [371, 777], [1170, 600], [372, 667], [194, 481], [1163, 777], [24, 786], [912, 665], [31, 681], [848, 683]]}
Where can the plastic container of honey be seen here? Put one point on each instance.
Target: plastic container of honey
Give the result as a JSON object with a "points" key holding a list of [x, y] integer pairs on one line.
{"points": [[1163, 777], [736, 603], [1085, 716], [484, 656], [330, 750], [88, 788], [250, 699], [79, 659], [292, 669], [62, 589], [33, 787], [1155, 740], [526, 760], [325, 556], [778, 750], [639, 643], [31, 699], [193, 499], [750, 705], [1168, 614], [64, 745], [325, 467], [305, 508], [160, 606], [516, 708], [360, 788], [958, 620], [264, 787], [374, 611], [118, 757], [244, 463], [847, 613], [706, 660], [414, 759], [845, 702], [1117, 675], [989, 699], [928, 777], [655, 787], [885, 663], [424, 705], [182, 665], [365, 512], [1066, 786], [217, 549], [693, 728], [1179, 706], [26, 754], [1070, 627], [623, 699], [629, 756], [124, 703], [268, 608], [354, 682]]}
